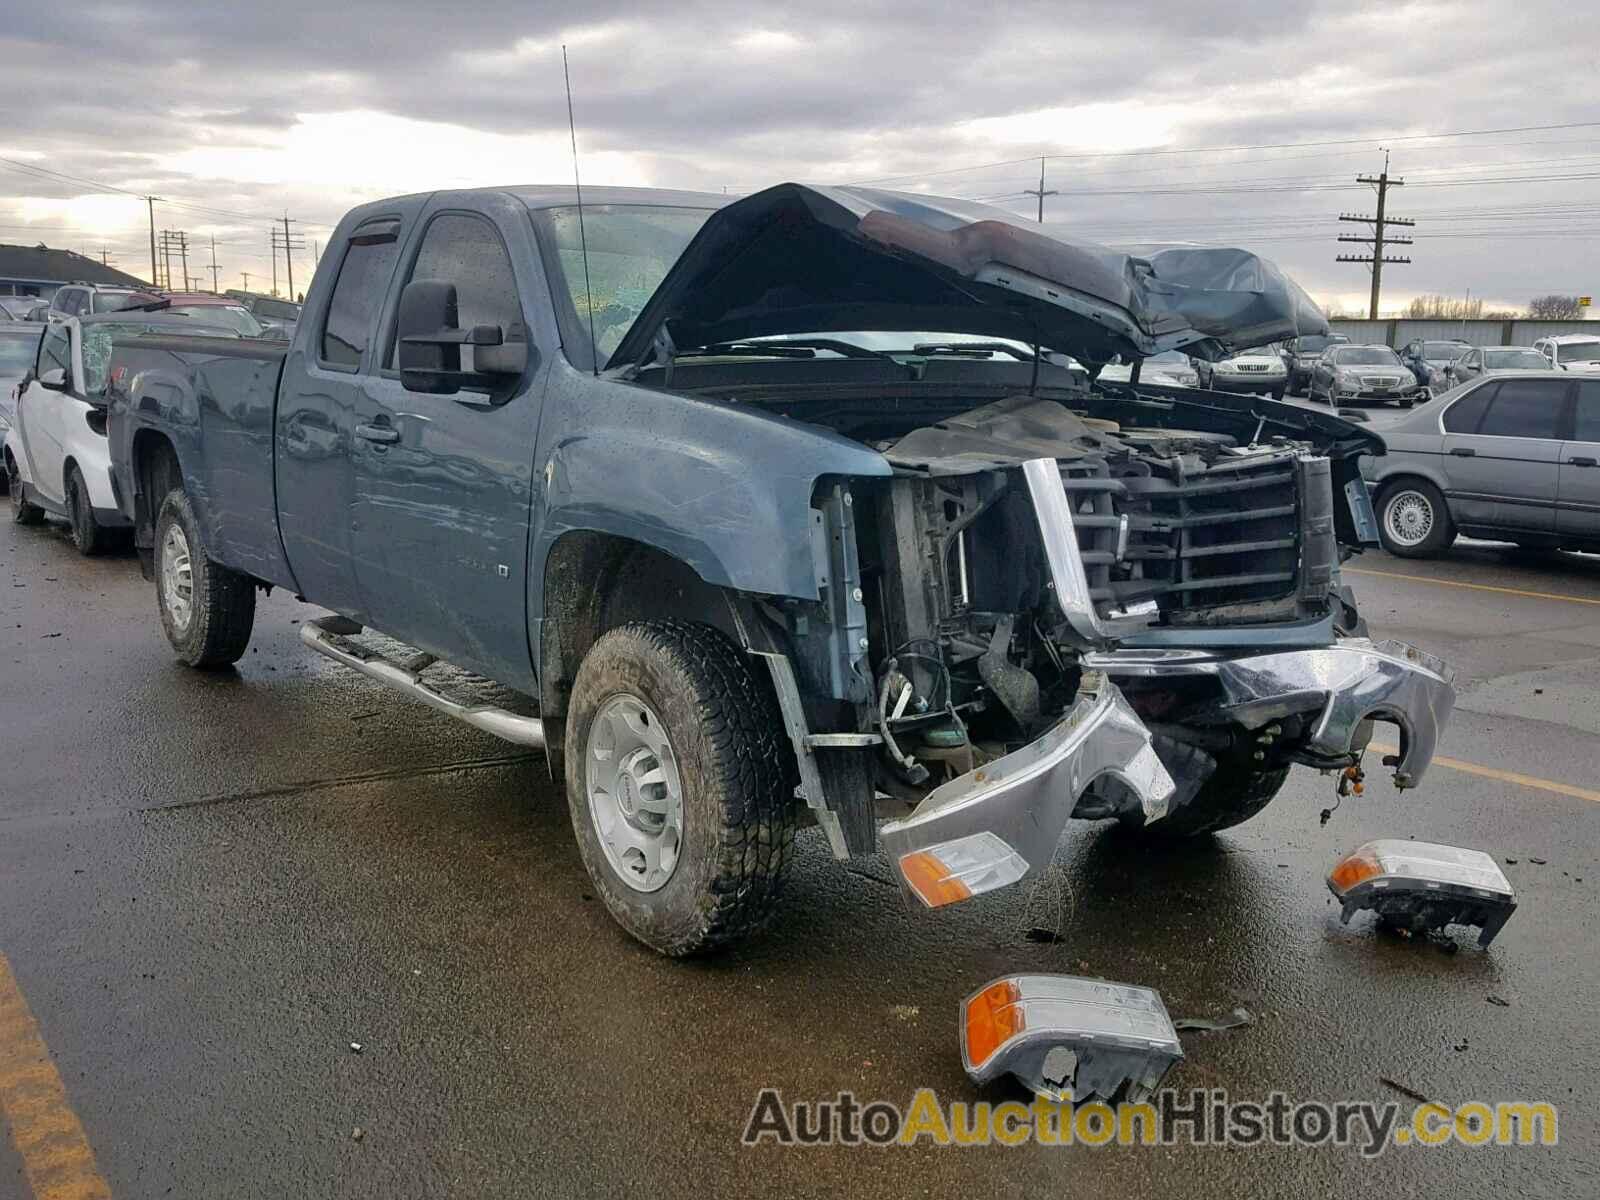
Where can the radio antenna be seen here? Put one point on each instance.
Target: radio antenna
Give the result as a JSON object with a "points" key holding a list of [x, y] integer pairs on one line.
{"points": [[583, 239]]}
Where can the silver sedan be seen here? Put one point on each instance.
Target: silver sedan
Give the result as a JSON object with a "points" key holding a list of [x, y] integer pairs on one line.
{"points": [[1512, 458], [1482, 361]]}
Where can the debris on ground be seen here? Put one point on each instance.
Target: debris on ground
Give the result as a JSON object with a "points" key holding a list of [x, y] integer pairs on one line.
{"points": [[1040, 934], [906, 1012], [355, 1047], [357, 1134], [1237, 1019], [1410, 1092], [1540, 862], [1499, 1001]]}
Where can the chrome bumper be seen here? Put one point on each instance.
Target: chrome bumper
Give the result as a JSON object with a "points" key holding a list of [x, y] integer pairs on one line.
{"points": [[994, 825], [1347, 685]]}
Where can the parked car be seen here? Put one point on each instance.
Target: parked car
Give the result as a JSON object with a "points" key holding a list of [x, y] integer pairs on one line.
{"points": [[215, 310], [278, 316], [1578, 352], [718, 569], [20, 308], [1348, 374], [1172, 369], [1302, 353], [1260, 370], [86, 299], [1512, 458], [1479, 362], [56, 458], [1429, 359], [19, 347]]}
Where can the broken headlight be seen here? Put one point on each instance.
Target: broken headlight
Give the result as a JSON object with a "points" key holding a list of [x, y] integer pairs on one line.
{"points": [[1422, 887]]}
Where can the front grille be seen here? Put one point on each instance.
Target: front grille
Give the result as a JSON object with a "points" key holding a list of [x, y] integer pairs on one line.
{"points": [[1223, 535], [1380, 381], [1250, 367]]}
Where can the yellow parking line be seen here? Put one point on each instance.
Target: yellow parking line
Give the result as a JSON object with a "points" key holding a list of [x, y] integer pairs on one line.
{"points": [[1531, 781], [1477, 587], [46, 1132]]}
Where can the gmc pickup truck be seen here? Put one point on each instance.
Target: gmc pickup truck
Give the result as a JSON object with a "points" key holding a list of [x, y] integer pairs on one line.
{"points": [[792, 509]]}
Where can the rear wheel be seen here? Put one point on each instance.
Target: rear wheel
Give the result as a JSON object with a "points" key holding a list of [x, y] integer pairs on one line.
{"points": [[206, 609], [23, 512], [88, 535], [1413, 520], [681, 785]]}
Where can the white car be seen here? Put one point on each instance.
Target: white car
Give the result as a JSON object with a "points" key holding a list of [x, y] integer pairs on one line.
{"points": [[1579, 352], [1261, 370], [1171, 369], [19, 346], [56, 456]]}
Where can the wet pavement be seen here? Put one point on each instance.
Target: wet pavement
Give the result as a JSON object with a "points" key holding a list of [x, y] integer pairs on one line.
{"points": [[211, 885]]}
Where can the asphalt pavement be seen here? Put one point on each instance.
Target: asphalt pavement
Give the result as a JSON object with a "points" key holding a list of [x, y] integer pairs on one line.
{"points": [[213, 887]]}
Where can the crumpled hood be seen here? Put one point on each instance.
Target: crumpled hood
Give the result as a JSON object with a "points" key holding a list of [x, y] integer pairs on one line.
{"points": [[799, 259]]}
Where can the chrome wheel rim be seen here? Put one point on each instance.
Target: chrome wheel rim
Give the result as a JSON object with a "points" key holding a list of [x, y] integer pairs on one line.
{"points": [[635, 795], [1408, 518], [177, 578]]}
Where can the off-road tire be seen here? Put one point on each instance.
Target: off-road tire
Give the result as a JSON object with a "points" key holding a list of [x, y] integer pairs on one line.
{"points": [[738, 780], [23, 511], [88, 535], [1230, 797], [1440, 534], [224, 601]]}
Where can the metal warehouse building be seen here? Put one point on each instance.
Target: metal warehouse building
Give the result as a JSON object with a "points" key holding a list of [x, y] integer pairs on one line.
{"points": [[39, 271]]}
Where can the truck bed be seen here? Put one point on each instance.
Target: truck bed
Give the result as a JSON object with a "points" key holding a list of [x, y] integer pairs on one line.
{"points": [[214, 399]]}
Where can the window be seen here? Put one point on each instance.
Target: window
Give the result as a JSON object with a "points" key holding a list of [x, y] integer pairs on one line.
{"points": [[1528, 408], [1580, 352], [67, 300], [55, 350], [1515, 360], [358, 292], [1588, 423], [467, 252], [1471, 359], [1463, 416]]}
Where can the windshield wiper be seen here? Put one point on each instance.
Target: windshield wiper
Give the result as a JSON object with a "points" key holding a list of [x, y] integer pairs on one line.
{"points": [[787, 348], [973, 350]]}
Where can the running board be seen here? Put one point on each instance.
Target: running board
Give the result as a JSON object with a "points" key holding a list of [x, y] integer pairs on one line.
{"points": [[326, 637]]}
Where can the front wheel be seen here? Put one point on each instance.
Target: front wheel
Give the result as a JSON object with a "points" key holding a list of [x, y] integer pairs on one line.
{"points": [[680, 782], [1230, 797], [88, 535], [23, 511], [1278, 393], [1413, 520], [207, 610]]}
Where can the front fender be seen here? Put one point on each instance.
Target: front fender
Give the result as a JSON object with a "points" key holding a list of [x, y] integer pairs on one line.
{"points": [[724, 489]]}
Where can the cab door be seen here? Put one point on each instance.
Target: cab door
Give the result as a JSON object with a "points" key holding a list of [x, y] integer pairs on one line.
{"points": [[1578, 499], [42, 416], [1504, 472], [444, 483]]}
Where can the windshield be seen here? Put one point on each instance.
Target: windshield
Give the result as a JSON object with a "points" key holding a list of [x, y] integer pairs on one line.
{"points": [[1256, 352], [18, 306], [1580, 352], [17, 353], [1366, 356], [1169, 358], [1316, 343], [631, 247], [1443, 351], [229, 316], [277, 310], [97, 338], [1515, 360]]}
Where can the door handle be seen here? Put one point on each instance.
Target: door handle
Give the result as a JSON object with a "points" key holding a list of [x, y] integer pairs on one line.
{"points": [[384, 435], [1463, 452], [1583, 462]]}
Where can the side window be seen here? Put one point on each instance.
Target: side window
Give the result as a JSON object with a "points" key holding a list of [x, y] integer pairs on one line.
{"points": [[1527, 408], [466, 251], [1473, 359], [1588, 423], [55, 350], [1463, 416], [358, 292], [65, 300]]}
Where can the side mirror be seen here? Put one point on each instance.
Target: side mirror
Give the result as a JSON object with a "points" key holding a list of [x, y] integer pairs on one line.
{"points": [[55, 380], [431, 337]]}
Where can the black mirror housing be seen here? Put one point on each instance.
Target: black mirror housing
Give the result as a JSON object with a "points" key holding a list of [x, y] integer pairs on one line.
{"points": [[431, 337]]}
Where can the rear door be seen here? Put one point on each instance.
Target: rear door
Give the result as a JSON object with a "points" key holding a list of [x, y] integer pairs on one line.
{"points": [[1578, 504], [319, 401], [443, 500], [1504, 473]]}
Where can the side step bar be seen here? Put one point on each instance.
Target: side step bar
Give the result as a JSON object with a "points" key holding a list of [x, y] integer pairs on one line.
{"points": [[326, 637]]}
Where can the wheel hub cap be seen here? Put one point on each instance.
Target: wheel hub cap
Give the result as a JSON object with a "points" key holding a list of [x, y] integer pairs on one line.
{"points": [[1410, 518], [635, 796], [177, 578]]}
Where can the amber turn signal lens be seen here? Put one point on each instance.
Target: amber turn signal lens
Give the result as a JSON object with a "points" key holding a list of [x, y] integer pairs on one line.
{"points": [[1353, 870], [928, 876], [994, 1015]]}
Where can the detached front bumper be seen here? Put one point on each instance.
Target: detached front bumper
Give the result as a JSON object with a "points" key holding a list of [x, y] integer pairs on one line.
{"points": [[1343, 688], [994, 825]]}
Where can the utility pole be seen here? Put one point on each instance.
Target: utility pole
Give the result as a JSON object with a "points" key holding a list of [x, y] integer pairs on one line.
{"points": [[215, 287], [288, 263], [166, 260], [274, 262], [183, 255], [105, 257], [1040, 190], [150, 204], [1379, 239], [245, 275], [288, 242]]}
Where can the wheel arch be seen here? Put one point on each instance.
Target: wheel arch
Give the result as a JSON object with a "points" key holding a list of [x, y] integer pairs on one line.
{"points": [[156, 468]]}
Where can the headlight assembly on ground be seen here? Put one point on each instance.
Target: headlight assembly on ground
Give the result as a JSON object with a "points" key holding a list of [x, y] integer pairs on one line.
{"points": [[1422, 887]]}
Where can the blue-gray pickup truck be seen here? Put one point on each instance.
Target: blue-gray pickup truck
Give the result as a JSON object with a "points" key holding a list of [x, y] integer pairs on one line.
{"points": [[791, 510]]}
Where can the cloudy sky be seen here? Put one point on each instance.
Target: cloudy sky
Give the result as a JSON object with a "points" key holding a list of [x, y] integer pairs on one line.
{"points": [[236, 113]]}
